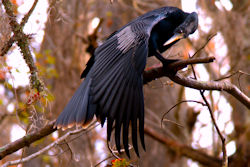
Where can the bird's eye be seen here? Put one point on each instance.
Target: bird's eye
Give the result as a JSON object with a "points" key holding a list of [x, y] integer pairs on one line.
{"points": [[179, 31]]}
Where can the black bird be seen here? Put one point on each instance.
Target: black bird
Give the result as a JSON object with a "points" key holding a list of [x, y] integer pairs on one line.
{"points": [[113, 85]]}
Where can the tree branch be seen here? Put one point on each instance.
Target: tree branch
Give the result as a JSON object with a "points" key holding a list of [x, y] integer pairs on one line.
{"points": [[6, 47], [26, 17], [32, 156], [224, 151], [26, 140], [184, 150], [187, 151], [200, 85], [212, 85], [23, 42], [10, 42], [172, 68]]}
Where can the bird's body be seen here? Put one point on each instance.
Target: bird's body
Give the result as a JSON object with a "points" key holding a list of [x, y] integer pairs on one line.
{"points": [[113, 85]]}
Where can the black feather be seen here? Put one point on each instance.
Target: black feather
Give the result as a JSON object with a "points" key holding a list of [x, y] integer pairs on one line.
{"points": [[118, 120], [126, 120], [134, 116], [141, 119]]}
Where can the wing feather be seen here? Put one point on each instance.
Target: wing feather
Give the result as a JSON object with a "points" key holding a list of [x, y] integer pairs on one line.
{"points": [[141, 119], [117, 80], [126, 120], [72, 113], [134, 122], [108, 82], [129, 88]]}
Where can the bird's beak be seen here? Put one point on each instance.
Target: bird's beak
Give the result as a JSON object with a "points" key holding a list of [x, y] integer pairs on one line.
{"points": [[174, 38]]}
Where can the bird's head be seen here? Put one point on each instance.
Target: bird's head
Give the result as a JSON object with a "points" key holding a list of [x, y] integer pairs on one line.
{"points": [[187, 27]]}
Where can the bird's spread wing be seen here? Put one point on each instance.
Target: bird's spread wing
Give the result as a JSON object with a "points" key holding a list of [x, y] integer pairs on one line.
{"points": [[117, 88]]}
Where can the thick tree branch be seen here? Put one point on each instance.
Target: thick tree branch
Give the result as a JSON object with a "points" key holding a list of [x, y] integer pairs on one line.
{"points": [[26, 140], [212, 85], [184, 150], [200, 85], [172, 68]]}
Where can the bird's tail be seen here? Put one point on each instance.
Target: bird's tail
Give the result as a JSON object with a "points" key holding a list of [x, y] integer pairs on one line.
{"points": [[78, 111]]}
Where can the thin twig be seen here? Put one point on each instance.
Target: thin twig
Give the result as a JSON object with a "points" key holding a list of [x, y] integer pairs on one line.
{"points": [[48, 147], [105, 159], [225, 158], [227, 76], [113, 152], [232, 74], [155, 125], [224, 151], [6, 47], [204, 45], [184, 101], [26, 17], [173, 122], [241, 73]]}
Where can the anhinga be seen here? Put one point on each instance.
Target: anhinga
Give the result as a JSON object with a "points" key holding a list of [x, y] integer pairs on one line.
{"points": [[113, 86]]}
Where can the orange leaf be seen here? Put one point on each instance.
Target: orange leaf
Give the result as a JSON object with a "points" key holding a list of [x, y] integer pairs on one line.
{"points": [[2, 75], [109, 22], [211, 46]]}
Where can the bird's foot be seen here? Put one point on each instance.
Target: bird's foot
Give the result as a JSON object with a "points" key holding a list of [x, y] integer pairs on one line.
{"points": [[166, 63]]}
